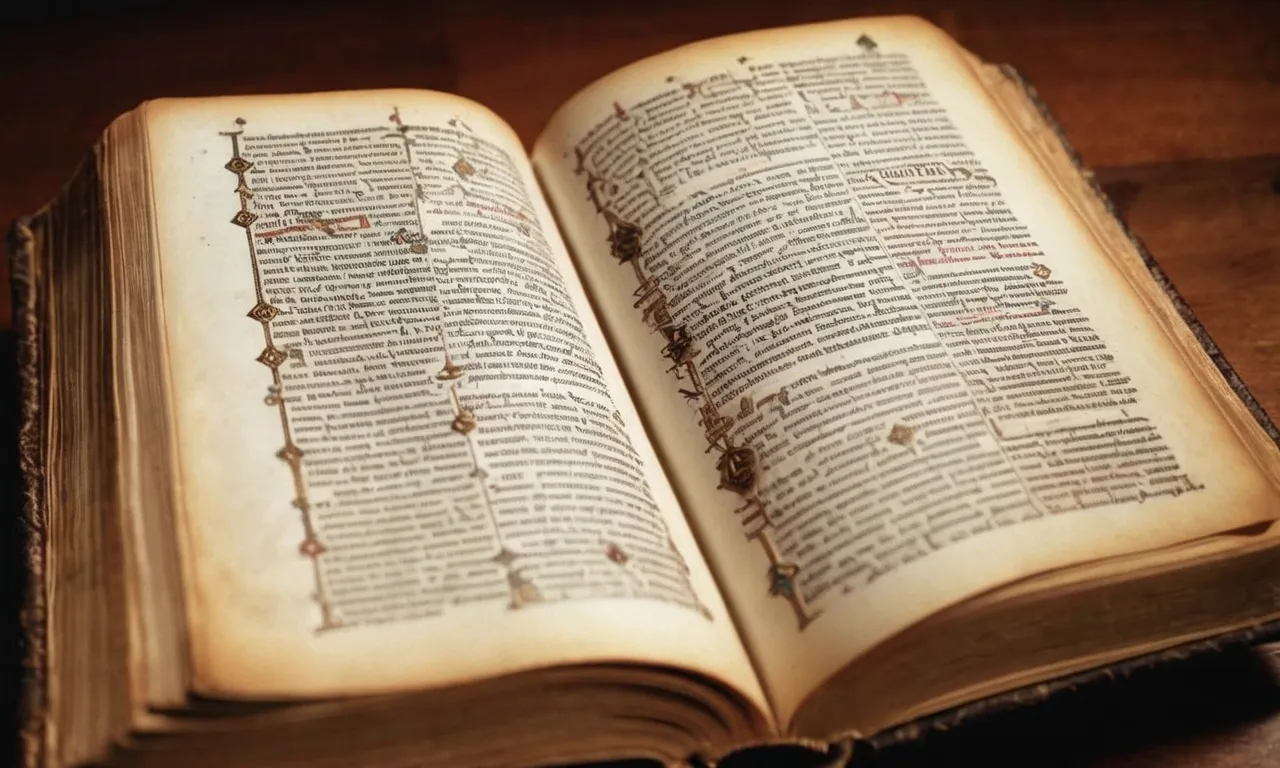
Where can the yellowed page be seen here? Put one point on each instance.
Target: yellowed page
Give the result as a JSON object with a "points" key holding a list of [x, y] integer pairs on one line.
{"points": [[886, 364], [406, 455]]}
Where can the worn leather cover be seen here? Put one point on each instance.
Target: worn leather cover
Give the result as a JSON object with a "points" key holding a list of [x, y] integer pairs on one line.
{"points": [[25, 248]]}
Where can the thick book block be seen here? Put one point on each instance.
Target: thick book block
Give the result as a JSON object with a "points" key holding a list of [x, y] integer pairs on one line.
{"points": [[694, 618]]}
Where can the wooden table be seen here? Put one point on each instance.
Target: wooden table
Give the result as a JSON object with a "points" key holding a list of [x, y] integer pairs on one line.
{"points": [[1176, 105]]}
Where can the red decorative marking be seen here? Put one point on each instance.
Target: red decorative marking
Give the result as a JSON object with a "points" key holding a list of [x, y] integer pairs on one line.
{"points": [[990, 315], [328, 226], [311, 547], [502, 210], [980, 316]]}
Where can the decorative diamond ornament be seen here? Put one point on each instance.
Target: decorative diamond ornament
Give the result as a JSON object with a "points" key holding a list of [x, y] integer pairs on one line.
{"points": [[737, 468], [782, 579], [272, 357], [463, 168], [263, 312], [464, 422], [311, 547], [901, 434], [449, 372], [624, 241]]}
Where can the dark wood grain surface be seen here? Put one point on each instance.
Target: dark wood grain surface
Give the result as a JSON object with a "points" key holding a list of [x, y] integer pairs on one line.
{"points": [[1176, 105]]}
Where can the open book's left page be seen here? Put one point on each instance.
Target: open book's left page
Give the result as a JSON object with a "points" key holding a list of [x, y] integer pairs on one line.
{"points": [[407, 457]]}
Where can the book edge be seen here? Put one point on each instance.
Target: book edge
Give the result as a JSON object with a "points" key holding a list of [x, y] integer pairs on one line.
{"points": [[1162, 280], [32, 530]]}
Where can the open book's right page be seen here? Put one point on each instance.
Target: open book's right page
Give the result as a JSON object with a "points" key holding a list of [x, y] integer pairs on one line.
{"points": [[886, 364]]}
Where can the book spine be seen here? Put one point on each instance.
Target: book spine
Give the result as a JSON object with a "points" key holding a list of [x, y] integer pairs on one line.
{"points": [[24, 270]]}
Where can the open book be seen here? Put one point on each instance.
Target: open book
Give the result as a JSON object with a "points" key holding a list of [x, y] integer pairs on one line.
{"points": [[798, 387]]}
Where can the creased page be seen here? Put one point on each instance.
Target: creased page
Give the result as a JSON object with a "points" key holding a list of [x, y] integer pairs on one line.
{"points": [[406, 455], [886, 365]]}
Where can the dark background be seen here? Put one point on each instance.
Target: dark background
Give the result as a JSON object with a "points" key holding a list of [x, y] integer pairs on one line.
{"points": [[1176, 105]]}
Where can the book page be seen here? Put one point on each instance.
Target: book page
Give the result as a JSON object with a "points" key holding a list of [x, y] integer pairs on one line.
{"points": [[886, 364], [406, 455]]}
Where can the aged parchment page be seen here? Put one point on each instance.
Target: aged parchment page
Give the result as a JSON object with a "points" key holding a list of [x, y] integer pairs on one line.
{"points": [[406, 456], [885, 363]]}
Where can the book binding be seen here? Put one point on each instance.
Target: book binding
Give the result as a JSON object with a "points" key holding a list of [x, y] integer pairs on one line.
{"points": [[24, 248], [24, 277]]}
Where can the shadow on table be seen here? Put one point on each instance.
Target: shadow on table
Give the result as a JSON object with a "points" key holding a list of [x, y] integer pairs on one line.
{"points": [[1133, 720]]}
